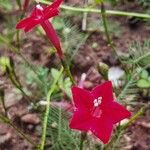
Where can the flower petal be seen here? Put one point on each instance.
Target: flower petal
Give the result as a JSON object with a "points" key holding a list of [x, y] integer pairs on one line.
{"points": [[51, 14], [82, 99], [37, 13], [117, 112], [31, 25], [105, 91], [80, 121], [33, 13], [54, 5], [102, 128], [52, 35], [24, 22]]}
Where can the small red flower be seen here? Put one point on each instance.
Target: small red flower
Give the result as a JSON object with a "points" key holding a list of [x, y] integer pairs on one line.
{"points": [[40, 15], [96, 111]]}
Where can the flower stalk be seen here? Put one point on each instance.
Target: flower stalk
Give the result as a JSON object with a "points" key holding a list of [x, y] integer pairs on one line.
{"points": [[83, 138], [103, 13], [109, 39], [2, 95], [109, 12], [50, 92], [67, 70]]}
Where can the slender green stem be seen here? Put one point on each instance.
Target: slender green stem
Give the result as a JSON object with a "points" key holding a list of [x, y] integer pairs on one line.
{"points": [[109, 12], [83, 137], [7, 121], [68, 72], [104, 18], [18, 86], [52, 88], [133, 118], [141, 58], [18, 39], [109, 39], [81, 144], [2, 95]]}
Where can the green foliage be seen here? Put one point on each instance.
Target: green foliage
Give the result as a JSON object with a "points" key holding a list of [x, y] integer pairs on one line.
{"points": [[144, 74], [64, 83], [46, 77], [129, 92], [58, 133], [6, 42], [7, 5], [67, 30], [113, 2], [138, 77], [144, 81], [98, 1], [4, 64], [144, 3], [19, 3], [39, 81], [139, 53]]}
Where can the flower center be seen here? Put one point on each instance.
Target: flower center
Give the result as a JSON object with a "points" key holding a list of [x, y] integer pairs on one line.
{"points": [[38, 6], [97, 101], [97, 111]]}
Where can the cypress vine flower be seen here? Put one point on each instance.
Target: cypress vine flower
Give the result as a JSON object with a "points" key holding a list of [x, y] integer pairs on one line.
{"points": [[40, 15], [97, 111]]}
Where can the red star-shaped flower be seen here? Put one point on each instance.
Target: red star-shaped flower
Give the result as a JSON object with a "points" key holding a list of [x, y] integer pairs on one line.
{"points": [[96, 111], [40, 15]]}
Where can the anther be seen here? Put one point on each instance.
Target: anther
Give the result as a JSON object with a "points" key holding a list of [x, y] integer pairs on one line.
{"points": [[95, 101], [100, 98], [38, 6], [96, 104]]}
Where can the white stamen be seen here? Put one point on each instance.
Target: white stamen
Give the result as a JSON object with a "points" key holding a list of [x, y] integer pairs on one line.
{"points": [[96, 104], [95, 101], [38, 6], [99, 102], [100, 98]]}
